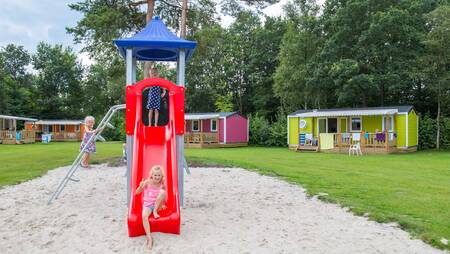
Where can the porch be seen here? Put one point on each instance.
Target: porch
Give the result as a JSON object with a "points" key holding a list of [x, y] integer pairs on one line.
{"points": [[380, 142], [201, 139], [12, 130], [17, 137], [201, 131], [60, 136]]}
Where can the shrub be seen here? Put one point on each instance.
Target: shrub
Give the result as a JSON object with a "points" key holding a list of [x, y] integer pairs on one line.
{"points": [[428, 131], [265, 134]]}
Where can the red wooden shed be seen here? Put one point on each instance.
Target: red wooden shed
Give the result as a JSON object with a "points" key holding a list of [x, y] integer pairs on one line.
{"points": [[223, 129]]}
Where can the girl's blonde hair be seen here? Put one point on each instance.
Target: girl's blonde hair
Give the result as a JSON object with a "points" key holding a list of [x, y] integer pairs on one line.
{"points": [[157, 168], [88, 118]]}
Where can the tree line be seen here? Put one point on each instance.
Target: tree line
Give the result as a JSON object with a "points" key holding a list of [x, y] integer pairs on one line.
{"points": [[346, 53]]}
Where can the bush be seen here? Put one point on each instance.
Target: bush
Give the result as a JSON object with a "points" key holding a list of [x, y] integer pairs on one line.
{"points": [[428, 131], [259, 130], [117, 134], [266, 134]]}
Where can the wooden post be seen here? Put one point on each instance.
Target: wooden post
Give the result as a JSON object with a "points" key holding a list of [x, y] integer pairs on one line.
{"points": [[362, 139], [201, 131], [149, 16], [386, 135], [318, 142], [183, 19]]}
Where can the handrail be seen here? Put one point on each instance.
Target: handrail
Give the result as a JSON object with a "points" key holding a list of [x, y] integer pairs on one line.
{"points": [[103, 123]]}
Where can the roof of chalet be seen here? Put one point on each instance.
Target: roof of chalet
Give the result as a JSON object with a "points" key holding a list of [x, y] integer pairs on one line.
{"points": [[60, 122], [17, 118], [390, 110], [210, 115]]}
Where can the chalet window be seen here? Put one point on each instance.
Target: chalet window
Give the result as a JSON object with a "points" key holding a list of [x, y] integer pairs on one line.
{"points": [[48, 128], [214, 125], [388, 123], [62, 128], [195, 125], [77, 128], [355, 124]]}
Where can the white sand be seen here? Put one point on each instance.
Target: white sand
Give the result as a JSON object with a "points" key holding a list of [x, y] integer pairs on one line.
{"points": [[227, 211]]}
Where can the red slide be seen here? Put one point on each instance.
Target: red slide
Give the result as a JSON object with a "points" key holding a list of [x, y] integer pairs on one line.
{"points": [[154, 146]]}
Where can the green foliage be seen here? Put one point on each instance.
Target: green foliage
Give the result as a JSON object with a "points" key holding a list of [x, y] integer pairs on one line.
{"points": [[265, 134], [427, 133], [348, 53], [58, 81], [260, 131], [16, 85], [223, 103]]}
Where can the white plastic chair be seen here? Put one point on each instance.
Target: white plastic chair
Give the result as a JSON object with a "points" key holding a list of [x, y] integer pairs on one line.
{"points": [[355, 149]]}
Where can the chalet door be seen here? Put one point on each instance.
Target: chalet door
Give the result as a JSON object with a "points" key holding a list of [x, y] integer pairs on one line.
{"points": [[343, 125], [332, 125], [322, 125]]}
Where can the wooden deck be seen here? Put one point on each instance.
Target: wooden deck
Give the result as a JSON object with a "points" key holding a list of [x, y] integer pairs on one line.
{"points": [[206, 140], [371, 143], [10, 137], [62, 136]]}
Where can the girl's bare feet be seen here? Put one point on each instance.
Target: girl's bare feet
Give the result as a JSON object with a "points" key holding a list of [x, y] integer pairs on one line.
{"points": [[155, 214], [149, 242]]}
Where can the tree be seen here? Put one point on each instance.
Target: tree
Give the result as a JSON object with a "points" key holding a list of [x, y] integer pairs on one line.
{"points": [[299, 48], [265, 58], [437, 42], [17, 91], [58, 82]]}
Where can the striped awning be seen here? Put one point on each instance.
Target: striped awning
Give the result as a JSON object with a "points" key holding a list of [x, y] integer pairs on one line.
{"points": [[17, 118], [60, 122], [368, 112], [201, 117]]}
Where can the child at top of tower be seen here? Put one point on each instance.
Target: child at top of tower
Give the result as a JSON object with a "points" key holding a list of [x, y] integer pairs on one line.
{"points": [[154, 98]]}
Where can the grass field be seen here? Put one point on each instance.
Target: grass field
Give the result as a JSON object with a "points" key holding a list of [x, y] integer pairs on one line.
{"points": [[410, 189], [19, 163]]}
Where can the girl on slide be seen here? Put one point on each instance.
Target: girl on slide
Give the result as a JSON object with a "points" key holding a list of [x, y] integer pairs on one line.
{"points": [[154, 196]]}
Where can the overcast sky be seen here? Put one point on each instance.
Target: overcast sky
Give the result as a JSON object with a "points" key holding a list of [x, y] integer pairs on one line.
{"points": [[27, 22]]}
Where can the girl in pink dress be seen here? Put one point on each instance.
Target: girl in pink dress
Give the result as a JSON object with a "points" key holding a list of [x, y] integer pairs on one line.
{"points": [[154, 196]]}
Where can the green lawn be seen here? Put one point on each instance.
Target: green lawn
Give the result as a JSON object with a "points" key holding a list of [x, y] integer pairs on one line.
{"points": [[411, 189], [19, 163]]}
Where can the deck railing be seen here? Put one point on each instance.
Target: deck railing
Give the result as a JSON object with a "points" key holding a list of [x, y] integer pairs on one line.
{"points": [[14, 137], [63, 136], [201, 138], [375, 140]]}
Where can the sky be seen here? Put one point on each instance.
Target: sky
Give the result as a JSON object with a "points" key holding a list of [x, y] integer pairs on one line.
{"points": [[27, 22]]}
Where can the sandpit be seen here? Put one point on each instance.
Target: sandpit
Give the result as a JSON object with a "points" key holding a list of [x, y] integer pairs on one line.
{"points": [[227, 210]]}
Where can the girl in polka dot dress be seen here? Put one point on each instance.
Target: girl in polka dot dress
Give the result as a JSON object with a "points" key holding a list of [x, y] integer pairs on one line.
{"points": [[154, 98]]}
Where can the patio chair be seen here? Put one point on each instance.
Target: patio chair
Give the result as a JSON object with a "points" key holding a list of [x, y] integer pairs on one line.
{"points": [[355, 149]]}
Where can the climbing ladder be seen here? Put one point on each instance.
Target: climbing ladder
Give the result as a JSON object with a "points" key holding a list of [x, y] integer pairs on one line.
{"points": [[76, 163]]}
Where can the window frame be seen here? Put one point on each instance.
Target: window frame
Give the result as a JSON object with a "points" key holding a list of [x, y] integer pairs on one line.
{"points": [[360, 124], [198, 126], [211, 125], [391, 125]]}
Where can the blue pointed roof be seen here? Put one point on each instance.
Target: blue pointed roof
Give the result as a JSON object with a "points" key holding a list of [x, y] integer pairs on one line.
{"points": [[156, 43]]}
